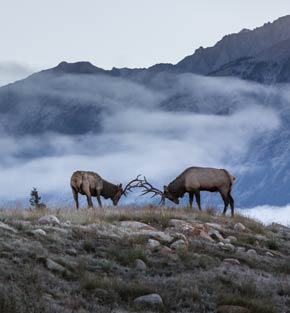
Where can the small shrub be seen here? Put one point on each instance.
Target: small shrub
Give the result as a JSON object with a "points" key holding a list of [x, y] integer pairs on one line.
{"points": [[127, 256], [272, 244]]}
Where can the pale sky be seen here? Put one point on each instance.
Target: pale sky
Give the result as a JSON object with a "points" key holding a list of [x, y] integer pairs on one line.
{"points": [[122, 33]]}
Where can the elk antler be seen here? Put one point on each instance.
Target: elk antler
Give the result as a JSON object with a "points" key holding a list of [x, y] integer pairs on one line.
{"points": [[147, 188], [129, 186]]}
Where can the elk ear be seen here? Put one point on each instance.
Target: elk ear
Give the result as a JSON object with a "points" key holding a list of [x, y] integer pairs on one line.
{"points": [[165, 188], [120, 186]]}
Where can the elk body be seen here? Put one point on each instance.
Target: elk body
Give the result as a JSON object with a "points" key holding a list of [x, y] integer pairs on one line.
{"points": [[194, 180], [91, 185]]}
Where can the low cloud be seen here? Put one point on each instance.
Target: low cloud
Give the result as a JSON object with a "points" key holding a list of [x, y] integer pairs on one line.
{"points": [[269, 214], [160, 148], [136, 134]]}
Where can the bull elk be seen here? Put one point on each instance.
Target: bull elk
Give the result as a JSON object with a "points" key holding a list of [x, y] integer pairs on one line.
{"points": [[93, 185], [194, 180]]}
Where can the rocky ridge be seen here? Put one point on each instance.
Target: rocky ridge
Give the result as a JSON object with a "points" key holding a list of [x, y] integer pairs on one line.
{"points": [[151, 260]]}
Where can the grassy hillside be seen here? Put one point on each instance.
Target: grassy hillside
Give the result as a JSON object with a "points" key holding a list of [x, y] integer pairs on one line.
{"points": [[102, 260]]}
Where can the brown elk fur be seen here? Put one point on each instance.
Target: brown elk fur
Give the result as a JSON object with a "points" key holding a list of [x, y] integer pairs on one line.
{"points": [[196, 179], [93, 185]]}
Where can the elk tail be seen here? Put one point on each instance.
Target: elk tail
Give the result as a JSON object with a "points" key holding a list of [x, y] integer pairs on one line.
{"points": [[230, 176]]}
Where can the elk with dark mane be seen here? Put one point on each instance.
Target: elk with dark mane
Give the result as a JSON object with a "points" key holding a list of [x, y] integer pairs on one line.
{"points": [[194, 180], [93, 185]]}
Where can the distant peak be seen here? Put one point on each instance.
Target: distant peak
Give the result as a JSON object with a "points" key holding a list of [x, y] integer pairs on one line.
{"points": [[245, 30], [83, 67]]}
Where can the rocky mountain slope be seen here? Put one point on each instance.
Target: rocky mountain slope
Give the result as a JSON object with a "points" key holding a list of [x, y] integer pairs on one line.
{"points": [[141, 260]]}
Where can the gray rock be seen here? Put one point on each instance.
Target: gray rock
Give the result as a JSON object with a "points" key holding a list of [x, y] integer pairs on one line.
{"points": [[7, 227], [241, 249], [239, 227], [153, 299], [227, 240], [220, 244], [268, 253], [178, 245], [53, 266], [215, 225], [38, 232], [140, 265], [261, 237], [215, 234], [72, 251], [229, 247], [232, 239], [135, 225], [252, 253], [232, 261], [49, 219], [153, 244]]}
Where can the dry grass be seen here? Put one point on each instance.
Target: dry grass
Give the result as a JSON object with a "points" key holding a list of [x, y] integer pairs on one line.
{"points": [[147, 214]]}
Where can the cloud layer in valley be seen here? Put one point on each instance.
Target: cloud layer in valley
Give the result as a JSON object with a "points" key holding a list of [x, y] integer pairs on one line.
{"points": [[269, 214], [136, 136]]}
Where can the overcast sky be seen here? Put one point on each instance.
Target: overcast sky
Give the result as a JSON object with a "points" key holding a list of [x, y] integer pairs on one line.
{"points": [[122, 33]]}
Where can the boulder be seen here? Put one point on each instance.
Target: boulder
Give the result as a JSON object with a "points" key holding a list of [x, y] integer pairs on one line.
{"points": [[232, 239], [241, 249], [165, 250], [261, 237], [229, 247], [252, 253], [178, 245], [190, 228], [136, 225], [268, 253], [7, 227], [215, 234], [38, 232], [239, 227], [140, 265], [53, 266], [153, 299], [205, 235], [153, 244], [232, 309], [215, 226], [49, 219], [232, 261], [72, 251], [158, 235]]}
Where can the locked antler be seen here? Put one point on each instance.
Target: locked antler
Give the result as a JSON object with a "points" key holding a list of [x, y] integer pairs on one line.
{"points": [[131, 186], [148, 188]]}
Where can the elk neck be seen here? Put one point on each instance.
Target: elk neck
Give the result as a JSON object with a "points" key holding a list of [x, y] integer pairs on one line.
{"points": [[177, 186], [109, 190]]}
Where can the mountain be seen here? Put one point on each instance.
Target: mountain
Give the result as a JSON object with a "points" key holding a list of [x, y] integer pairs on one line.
{"points": [[261, 55], [247, 43], [81, 109]]}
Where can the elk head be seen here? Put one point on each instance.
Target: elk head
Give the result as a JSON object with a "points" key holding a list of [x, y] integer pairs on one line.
{"points": [[169, 195], [118, 194]]}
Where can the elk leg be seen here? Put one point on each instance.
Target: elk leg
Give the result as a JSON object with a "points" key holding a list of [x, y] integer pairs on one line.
{"points": [[76, 198], [191, 196], [99, 198], [197, 196], [231, 199], [226, 202], [90, 202]]}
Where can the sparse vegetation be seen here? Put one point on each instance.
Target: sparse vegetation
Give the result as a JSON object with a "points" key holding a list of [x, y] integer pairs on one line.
{"points": [[95, 263]]}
